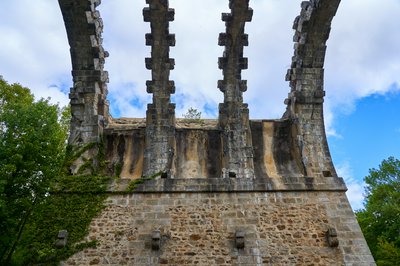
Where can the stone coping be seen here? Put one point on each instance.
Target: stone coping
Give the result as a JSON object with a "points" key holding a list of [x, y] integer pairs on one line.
{"points": [[204, 185], [120, 124]]}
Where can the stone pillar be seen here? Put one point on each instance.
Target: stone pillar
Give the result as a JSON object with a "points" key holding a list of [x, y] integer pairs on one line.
{"points": [[89, 107], [160, 116], [233, 113]]}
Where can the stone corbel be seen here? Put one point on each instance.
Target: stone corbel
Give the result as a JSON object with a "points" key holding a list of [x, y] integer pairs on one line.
{"points": [[331, 236], [156, 240], [239, 239], [62, 239]]}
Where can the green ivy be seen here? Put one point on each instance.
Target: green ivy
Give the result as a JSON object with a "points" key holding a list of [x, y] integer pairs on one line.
{"points": [[134, 183], [81, 184], [118, 169], [94, 165], [74, 152], [71, 206]]}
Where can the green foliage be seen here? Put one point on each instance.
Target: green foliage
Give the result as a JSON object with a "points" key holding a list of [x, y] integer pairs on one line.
{"points": [[387, 253], [73, 153], [36, 199], [71, 206], [134, 183], [118, 169], [81, 184], [193, 116], [94, 165], [380, 220], [32, 148]]}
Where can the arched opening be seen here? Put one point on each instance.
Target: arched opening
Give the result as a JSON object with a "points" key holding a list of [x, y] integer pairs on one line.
{"points": [[269, 52], [123, 34]]}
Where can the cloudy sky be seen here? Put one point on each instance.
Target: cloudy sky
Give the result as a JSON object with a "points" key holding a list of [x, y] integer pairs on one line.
{"points": [[362, 66]]}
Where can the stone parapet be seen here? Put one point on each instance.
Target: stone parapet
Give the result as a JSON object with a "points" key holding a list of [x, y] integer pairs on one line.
{"points": [[202, 185]]}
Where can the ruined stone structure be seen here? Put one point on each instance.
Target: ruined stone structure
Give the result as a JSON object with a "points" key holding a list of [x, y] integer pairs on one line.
{"points": [[230, 191]]}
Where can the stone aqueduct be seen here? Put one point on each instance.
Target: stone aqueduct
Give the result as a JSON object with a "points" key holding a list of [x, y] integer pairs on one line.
{"points": [[285, 162]]}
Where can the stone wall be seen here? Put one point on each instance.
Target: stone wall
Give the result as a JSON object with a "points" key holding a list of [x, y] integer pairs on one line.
{"points": [[280, 228], [199, 149], [269, 182]]}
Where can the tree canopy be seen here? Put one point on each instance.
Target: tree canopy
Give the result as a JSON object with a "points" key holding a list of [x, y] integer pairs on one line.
{"points": [[192, 113], [32, 148], [380, 220]]}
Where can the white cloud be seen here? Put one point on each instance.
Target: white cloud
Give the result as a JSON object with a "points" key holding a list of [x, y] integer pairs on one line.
{"points": [[196, 53], [34, 49], [355, 187], [362, 55]]}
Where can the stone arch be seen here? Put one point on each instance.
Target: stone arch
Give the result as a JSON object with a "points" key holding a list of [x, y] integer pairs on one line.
{"points": [[306, 77], [88, 95], [89, 107]]}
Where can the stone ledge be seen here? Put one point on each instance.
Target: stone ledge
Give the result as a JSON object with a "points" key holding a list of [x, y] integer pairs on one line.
{"points": [[203, 185]]}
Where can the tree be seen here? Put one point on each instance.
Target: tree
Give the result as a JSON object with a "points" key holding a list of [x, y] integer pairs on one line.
{"points": [[32, 148], [193, 115], [380, 220]]}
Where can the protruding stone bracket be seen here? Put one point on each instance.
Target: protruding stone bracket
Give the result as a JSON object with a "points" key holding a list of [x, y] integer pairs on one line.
{"points": [[239, 239], [332, 237], [62, 239], [156, 240], [150, 86], [169, 63]]}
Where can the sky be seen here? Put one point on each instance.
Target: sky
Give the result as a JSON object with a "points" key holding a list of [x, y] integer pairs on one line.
{"points": [[362, 66]]}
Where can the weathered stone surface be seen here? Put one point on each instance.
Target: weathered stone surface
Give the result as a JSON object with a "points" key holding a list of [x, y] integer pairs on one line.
{"points": [[233, 191], [237, 156], [89, 106], [304, 104], [281, 228], [160, 115], [199, 149], [62, 239]]}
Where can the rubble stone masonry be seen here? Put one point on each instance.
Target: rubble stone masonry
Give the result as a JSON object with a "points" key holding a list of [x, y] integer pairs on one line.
{"points": [[280, 228]]}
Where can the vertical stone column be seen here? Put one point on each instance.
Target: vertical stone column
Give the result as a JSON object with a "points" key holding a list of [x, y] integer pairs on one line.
{"points": [[89, 106], [160, 116], [233, 113]]}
